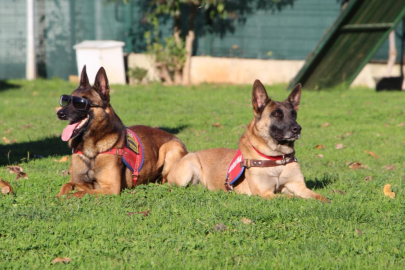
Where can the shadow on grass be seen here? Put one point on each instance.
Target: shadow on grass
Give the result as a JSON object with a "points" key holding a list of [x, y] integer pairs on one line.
{"points": [[322, 182], [4, 85], [175, 130], [18, 152]]}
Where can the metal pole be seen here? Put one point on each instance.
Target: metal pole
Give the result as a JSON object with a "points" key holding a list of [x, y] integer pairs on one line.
{"points": [[31, 68], [402, 47]]}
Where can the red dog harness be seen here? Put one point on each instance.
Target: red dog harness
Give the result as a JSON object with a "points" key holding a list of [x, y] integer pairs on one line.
{"points": [[238, 165], [132, 154]]}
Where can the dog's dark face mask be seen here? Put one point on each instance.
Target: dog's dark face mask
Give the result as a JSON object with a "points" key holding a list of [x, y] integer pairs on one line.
{"points": [[284, 126], [80, 120], [276, 120]]}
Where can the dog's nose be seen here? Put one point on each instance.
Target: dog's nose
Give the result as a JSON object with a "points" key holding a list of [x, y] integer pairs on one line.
{"points": [[296, 129], [61, 114]]}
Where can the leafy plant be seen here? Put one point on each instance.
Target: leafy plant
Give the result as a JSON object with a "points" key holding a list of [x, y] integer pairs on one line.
{"points": [[169, 55], [137, 73]]}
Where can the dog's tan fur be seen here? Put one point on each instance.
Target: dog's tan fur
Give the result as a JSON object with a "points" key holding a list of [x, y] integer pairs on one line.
{"points": [[95, 173], [209, 167]]}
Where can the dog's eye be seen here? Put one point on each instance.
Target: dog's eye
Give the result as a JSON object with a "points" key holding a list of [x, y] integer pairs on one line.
{"points": [[277, 114], [294, 114]]}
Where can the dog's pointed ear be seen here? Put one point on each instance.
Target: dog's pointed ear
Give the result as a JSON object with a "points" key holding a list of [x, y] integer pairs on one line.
{"points": [[84, 80], [259, 97], [295, 96], [101, 84]]}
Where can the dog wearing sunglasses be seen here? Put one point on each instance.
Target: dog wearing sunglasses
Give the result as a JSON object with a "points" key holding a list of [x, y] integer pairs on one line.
{"points": [[265, 162], [107, 156]]}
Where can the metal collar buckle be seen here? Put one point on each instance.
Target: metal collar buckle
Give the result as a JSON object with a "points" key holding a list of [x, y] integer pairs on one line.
{"points": [[284, 161], [245, 163]]}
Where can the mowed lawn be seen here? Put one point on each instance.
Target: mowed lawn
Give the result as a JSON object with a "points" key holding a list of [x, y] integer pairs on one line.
{"points": [[192, 228]]}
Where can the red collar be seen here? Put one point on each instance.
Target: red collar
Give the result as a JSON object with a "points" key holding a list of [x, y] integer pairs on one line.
{"points": [[267, 157]]}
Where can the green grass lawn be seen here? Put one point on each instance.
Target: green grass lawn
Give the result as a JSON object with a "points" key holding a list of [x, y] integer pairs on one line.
{"points": [[192, 228]]}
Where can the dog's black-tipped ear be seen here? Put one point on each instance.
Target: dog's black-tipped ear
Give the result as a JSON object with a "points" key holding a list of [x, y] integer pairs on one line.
{"points": [[259, 97], [295, 96], [101, 84], [84, 80]]}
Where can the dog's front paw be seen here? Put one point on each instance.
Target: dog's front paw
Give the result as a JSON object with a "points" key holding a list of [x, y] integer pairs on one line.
{"points": [[65, 189], [323, 199]]}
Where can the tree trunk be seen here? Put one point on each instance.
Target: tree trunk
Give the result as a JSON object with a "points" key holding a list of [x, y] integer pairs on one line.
{"points": [[189, 45], [164, 73], [177, 30], [177, 76], [392, 54]]}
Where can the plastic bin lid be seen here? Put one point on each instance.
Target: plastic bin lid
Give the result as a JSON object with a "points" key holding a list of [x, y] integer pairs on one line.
{"points": [[98, 44]]}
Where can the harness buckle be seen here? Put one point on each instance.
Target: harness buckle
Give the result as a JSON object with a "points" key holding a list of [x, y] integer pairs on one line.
{"points": [[284, 161], [228, 187]]}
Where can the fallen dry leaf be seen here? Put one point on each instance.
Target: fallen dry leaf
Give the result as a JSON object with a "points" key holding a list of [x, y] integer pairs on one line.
{"points": [[387, 191], [339, 146], [21, 175], [359, 232], [5, 140], [217, 124], [337, 191], [64, 173], [368, 178], [5, 186], [371, 153], [400, 125], [245, 220], [61, 260], [320, 156], [389, 167], [349, 133], [63, 159], [26, 126], [17, 170], [325, 124], [386, 125], [144, 213], [320, 146], [356, 165], [219, 227]]}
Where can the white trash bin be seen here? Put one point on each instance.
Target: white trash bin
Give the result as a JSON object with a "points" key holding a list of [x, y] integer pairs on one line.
{"points": [[101, 53]]}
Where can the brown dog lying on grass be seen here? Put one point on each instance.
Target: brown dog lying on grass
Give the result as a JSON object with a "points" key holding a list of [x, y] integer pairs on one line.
{"points": [[264, 164], [107, 156]]}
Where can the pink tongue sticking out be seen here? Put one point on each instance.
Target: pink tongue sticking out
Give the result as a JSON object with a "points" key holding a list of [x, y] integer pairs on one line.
{"points": [[68, 131]]}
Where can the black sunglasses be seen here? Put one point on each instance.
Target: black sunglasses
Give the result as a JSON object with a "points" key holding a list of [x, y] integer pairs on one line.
{"points": [[80, 104]]}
